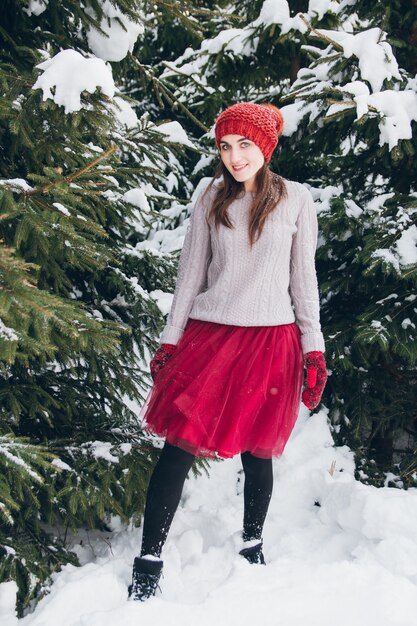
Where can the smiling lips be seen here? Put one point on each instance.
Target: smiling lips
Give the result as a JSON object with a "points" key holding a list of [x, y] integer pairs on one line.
{"points": [[237, 168]]}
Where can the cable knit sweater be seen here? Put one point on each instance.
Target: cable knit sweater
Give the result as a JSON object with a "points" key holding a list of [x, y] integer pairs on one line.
{"points": [[221, 279]]}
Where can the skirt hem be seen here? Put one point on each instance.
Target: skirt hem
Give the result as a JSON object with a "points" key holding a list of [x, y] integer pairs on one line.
{"points": [[205, 451]]}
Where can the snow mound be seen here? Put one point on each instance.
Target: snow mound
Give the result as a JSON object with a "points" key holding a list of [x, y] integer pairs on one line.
{"points": [[337, 552]]}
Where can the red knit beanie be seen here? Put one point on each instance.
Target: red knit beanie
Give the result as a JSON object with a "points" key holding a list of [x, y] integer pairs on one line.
{"points": [[261, 123]]}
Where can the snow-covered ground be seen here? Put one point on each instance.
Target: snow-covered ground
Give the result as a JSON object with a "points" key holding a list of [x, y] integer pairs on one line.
{"points": [[352, 561]]}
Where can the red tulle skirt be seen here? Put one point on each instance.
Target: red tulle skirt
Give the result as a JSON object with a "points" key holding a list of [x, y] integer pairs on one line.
{"points": [[228, 389]]}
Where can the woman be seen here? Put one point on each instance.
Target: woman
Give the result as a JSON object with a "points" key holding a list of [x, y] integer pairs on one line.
{"points": [[244, 322]]}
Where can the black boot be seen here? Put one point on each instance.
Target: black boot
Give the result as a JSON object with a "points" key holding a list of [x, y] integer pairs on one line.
{"points": [[145, 578], [254, 553]]}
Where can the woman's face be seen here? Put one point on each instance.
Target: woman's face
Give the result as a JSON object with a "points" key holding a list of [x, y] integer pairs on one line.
{"points": [[242, 158]]}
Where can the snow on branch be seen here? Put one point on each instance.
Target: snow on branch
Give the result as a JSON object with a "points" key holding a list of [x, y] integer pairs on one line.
{"points": [[117, 34], [375, 57], [66, 75], [36, 7]]}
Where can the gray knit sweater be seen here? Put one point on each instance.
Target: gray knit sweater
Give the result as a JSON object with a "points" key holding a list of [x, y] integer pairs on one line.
{"points": [[221, 279]]}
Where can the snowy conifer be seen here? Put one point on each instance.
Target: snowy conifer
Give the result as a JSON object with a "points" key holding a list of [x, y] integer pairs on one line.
{"points": [[88, 197], [350, 124]]}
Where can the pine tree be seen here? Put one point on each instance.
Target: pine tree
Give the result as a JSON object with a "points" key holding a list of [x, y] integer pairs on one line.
{"points": [[361, 116], [87, 190]]}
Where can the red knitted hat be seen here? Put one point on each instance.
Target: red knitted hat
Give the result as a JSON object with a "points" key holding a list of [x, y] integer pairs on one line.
{"points": [[262, 123]]}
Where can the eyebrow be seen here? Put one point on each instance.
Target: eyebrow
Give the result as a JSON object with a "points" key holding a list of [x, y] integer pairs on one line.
{"points": [[238, 141]]}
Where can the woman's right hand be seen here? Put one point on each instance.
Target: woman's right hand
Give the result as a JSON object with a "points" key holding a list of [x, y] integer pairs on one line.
{"points": [[162, 355]]}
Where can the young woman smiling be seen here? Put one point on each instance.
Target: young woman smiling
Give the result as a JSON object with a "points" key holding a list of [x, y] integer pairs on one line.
{"points": [[244, 323]]}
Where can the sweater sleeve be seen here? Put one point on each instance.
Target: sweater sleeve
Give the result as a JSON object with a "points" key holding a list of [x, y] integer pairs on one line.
{"points": [[303, 279], [192, 271]]}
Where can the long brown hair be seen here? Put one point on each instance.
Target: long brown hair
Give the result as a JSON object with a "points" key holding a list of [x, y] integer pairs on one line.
{"points": [[270, 190]]}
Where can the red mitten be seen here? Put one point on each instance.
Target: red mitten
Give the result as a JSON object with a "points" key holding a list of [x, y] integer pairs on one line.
{"points": [[162, 355], [316, 378]]}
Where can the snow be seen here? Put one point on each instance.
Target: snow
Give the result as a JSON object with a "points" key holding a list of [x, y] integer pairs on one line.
{"points": [[8, 334], [398, 108], [356, 88], [120, 33], [36, 7], [404, 251], [17, 184], [407, 246], [134, 282], [66, 75], [102, 450], [204, 161], [376, 60], [234, 41], [352, 209], [61, 208], [395, 108], [7, 601], [320, 7], [376, 203], [322, 198], [7, 445], [174, 132], [61, 465], [124, 113], [137, 197], [230, 40], [163, 300], [388, 256], [293, 113], [337, 551], [278, 12]]}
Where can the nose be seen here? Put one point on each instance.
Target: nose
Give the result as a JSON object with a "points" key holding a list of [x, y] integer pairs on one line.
{"points": [[235, 156]]}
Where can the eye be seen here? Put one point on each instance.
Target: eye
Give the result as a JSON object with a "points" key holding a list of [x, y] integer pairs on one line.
{"points": [[223, 147], [245, 144]]}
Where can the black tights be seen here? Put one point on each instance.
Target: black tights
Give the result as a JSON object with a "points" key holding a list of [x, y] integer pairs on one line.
{"points": [[165, 489]]}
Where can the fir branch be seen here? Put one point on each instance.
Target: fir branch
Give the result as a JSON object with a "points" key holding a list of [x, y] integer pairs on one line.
{"points": [[351, 103], [170, 97], [319, 34], [72, 177], [194, 11], [189, 76]]}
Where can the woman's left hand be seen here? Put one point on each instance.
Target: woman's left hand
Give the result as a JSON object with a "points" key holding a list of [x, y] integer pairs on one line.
{"points": [[316, 378]]}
